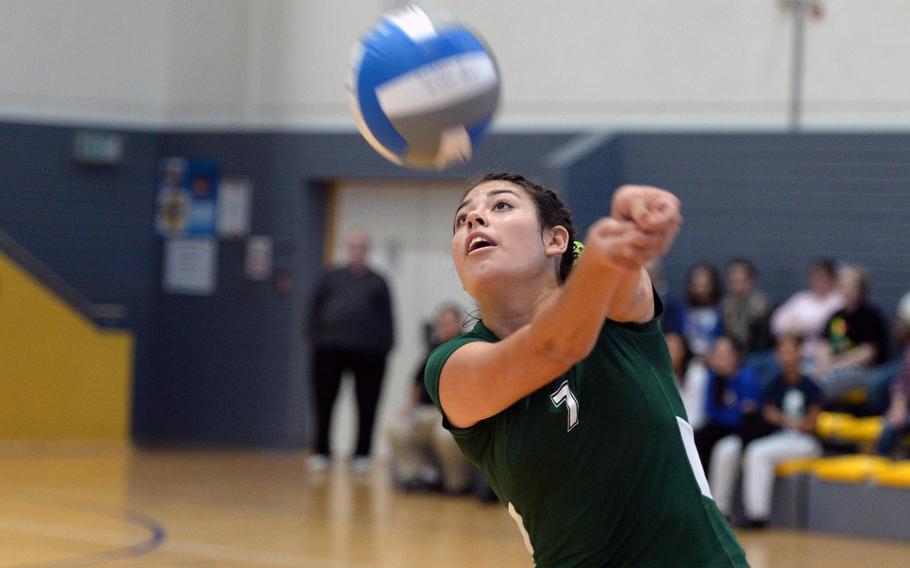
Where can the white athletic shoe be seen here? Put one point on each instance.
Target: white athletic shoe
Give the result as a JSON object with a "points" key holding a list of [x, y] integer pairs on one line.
{"points": [[317, 463]]}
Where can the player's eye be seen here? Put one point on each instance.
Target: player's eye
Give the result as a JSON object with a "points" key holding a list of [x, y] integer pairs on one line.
{"points": [[502, 205], [460, 219]]}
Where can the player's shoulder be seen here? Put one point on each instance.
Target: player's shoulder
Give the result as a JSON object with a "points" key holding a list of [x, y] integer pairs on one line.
{"points": [[478, 333], [439, 356]]}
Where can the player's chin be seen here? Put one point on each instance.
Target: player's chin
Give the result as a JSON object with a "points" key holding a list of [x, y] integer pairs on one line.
{"points": [[483, 277]]}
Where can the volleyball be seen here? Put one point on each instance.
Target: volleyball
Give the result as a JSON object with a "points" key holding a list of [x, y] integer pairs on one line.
{"points": [[423, 89]]}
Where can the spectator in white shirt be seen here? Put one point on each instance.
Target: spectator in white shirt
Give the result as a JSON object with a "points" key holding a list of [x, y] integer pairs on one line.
{"points": [[806, 312]]}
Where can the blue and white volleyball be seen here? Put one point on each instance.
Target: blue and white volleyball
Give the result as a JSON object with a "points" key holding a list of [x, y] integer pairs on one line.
{"points": [[423, 89]]}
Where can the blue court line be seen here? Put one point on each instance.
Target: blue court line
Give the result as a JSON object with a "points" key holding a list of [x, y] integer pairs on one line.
{"points": [[157, 536]]}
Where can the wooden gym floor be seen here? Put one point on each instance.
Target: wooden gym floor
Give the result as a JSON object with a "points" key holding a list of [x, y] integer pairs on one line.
{"points": [[112, 506]]}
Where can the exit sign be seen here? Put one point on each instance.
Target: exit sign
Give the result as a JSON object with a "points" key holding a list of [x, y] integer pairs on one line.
{"points": [[94, 148]]}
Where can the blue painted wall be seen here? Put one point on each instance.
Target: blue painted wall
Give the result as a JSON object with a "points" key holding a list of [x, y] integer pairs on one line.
{"points": [[779, 200], [90, 225], [232, 368]]}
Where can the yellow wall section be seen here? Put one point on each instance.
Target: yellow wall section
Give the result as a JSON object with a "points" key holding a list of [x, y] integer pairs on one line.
{"points": [[61, 377]]}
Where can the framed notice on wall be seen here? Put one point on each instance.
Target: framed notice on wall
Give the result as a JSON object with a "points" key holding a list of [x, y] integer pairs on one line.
{"points": [[258, 263], [234, 211], [190, 266]]}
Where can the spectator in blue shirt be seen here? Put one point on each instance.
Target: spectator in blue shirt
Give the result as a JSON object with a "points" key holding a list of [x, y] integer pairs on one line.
{"points": [[733, 394]]}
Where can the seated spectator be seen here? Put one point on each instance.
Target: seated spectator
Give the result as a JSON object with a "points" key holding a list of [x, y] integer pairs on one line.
{"points": [[805, 313], [424, 454], [883, 376], [897, 424], [746, 309], [791, 406], [701, 320], [855, 339], [691, 378], [733, 394]]}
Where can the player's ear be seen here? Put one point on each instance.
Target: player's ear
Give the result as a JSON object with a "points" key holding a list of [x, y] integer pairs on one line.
{"points": [[556, 240]]}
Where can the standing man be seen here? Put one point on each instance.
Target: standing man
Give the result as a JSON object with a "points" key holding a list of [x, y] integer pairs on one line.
{"points": [[351, 329]]}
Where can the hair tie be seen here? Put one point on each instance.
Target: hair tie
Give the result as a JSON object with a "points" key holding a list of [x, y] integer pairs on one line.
{"points": [[577, 247]]}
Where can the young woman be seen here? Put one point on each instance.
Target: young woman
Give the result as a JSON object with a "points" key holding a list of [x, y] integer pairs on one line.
{"points": [[563, 393], [702, 318]]}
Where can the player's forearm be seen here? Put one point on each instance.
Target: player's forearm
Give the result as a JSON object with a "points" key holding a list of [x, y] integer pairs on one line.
{"points": [[634, 298], [566, 328]]}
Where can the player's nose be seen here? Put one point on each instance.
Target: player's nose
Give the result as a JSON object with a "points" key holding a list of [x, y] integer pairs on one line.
{"points": [[476, 219]]}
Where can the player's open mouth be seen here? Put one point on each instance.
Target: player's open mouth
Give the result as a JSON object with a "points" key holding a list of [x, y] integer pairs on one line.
{"points": [[479, 241]]}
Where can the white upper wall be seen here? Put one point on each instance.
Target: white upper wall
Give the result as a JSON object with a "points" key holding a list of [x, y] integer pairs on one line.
{"points": [[576, 63], [207, 61], [95, 60]]}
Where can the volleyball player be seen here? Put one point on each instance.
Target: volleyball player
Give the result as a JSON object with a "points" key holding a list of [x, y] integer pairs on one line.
{"points": [[563, 394]]}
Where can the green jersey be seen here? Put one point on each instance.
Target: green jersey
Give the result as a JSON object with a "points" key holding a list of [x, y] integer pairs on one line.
{"points": [[599, 466]]}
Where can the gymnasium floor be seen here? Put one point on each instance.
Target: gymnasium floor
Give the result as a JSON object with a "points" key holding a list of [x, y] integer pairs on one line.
{"points": [[111, 506]]}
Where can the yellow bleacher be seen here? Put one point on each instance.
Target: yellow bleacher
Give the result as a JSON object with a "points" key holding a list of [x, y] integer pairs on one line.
{"points": [[842, 427]]}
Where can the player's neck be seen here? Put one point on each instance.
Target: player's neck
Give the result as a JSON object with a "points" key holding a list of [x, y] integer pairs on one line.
{"points": [[507, 312]]}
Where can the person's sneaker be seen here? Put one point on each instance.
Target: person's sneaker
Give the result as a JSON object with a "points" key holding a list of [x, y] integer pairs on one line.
{"points": [[317, 463], [361, 464]]}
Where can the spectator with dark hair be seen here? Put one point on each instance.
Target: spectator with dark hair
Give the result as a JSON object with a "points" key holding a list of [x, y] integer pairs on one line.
{"points": [[702, 322], [791, 406], [733, 393], [855, 338], [424, 454], [746, 309], [897, 423], [691, 378], [805, 313]]}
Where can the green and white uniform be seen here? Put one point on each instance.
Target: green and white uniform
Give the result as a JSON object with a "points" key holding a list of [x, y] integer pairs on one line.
{"points": [[599, 466]]}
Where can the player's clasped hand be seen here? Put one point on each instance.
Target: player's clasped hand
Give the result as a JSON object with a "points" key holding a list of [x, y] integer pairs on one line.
{"points": [[642, 226]]}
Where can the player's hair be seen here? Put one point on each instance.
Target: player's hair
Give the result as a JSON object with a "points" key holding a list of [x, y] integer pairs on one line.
{"points": [[551, 212]]}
